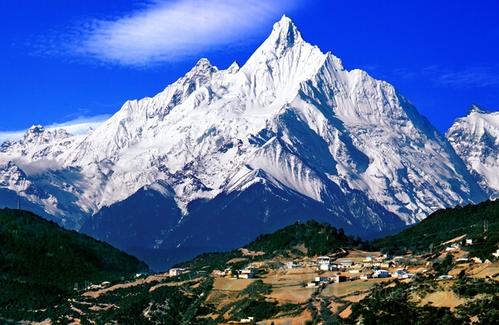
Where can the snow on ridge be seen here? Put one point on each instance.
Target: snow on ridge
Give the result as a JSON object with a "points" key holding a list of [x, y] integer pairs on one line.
{"points": [[291, 111], [475, 139]]}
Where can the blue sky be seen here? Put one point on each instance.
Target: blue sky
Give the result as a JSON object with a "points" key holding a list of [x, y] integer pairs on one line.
{"points": [[63, 61]]}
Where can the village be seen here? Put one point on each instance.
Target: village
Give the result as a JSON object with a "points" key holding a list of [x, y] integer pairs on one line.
{"points": [[337, 280]]}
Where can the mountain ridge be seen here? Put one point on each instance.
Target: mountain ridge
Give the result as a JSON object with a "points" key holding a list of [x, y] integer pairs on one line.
{"points": [[42, 264], [348, 147], [475, 138]]}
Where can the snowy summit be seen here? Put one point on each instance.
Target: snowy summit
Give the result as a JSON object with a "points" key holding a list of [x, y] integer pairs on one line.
{"points": [[291, 132]]}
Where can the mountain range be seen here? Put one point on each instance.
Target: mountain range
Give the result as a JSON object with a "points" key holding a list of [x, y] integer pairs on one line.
{"points": [[221, 156]]}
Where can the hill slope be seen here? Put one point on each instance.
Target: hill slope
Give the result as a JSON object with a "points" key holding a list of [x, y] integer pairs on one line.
{"points": [[309, 238], [40, 263], [447, 224]]}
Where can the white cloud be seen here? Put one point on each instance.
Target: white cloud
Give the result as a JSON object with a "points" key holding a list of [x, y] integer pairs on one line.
{"points": [[79, 125], [171, 30], [36, 167], [10, 135]]}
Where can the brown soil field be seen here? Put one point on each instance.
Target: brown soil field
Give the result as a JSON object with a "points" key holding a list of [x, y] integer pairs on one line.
{"points": [[291, 294], [231, 284], [296, 320], [485, 270], [290, 277], [442, 299], [346, 313], [347, 288], [149, 279]]}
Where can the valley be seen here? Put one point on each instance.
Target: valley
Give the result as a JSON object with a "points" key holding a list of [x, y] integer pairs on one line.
{"points": [[311, 273]]}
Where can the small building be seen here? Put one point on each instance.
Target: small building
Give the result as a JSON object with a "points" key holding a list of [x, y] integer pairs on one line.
{"points": [[311, 284], [177, 271], [334, 267], [496, 254], [468, 242], [368, 259], [345, 264], [453, 248], [402, 274], [321, 280], [445, 277], [476, 260], [366, 276], [248, 273], [218, 273], [247, 320], [381, 274], [323, 263], [337, 278], [291, 265]]}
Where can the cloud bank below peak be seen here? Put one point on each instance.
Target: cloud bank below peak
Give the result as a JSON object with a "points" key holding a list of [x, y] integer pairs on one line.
{"points": [[167, 31], [77, 126]]}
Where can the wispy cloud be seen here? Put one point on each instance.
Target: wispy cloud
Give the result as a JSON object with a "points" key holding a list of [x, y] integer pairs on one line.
{"points": [[162, 31], [465, 77], [470, 77], [79, 125]]}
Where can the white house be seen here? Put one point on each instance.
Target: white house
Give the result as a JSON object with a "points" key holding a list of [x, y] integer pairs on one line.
{"points": [[177, 271], [381, 274], [402, 274], [247, 320], [453, 248], [445, 277], [324, 263], [496, 254], [312, 284], [321, 280]]}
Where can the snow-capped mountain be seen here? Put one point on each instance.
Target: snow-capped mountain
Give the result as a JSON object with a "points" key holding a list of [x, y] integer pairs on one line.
{"points": [[475, 138], [291, 134]]}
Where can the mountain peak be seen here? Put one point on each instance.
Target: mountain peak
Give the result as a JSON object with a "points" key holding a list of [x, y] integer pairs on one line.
{"points": [[476, 109], [34, 132], [203, 67], [36, 129], [234, 67], [284, 35]]}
